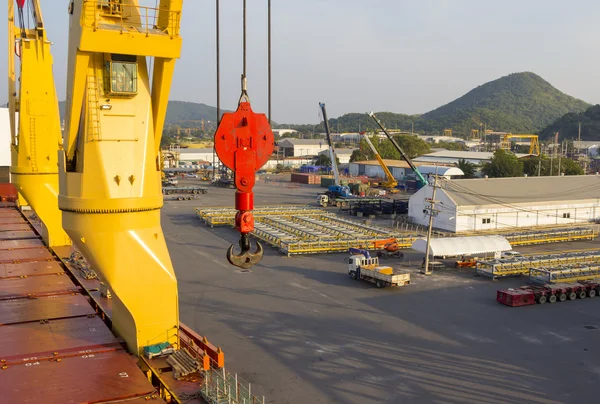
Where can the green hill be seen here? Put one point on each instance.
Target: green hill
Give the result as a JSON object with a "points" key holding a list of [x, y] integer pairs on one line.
{"points": [[568, 125], [519, 102]]}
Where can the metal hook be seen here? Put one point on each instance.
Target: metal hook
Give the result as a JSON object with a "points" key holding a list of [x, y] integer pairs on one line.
{"points": [[245, 259]]}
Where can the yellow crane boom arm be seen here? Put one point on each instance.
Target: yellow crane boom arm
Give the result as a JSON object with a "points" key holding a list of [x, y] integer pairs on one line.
{"points": [[391, 181]]}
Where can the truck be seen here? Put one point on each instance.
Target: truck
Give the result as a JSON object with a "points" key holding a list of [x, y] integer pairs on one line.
{"points": [[368, 269], [184, 190], [551, 293]]}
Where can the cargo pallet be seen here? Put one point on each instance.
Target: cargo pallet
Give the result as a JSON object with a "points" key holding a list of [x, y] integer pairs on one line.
{"points": [[499, 268], [551, 293], [565, 273], [298, 229], [551, 236]]}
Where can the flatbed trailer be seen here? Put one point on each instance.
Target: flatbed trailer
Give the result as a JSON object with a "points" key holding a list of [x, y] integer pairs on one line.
{"points": [[368, 269], [184, 190], [181, 197], [551, 293]]}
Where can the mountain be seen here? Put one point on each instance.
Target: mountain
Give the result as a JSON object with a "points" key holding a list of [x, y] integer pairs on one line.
{"points": [[568, 125], [180, 113], [519, 102]]}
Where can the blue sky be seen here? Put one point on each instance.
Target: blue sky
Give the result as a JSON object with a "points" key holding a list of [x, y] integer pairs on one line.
{"points": [[360, 55]]}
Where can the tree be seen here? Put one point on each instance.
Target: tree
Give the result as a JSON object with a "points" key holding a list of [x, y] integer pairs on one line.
{"points": [[567, 166], [458, 146], [503, 164], [412, 145], [467, 167], [325, 161]]}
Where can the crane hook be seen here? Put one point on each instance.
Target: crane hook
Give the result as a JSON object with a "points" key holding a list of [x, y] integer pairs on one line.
{"points": [[245, 259]]}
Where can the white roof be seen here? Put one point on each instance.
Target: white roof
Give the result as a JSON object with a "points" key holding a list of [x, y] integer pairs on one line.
{"points": [[467, 155], [441, 170], [451, 246], [338, 151]]}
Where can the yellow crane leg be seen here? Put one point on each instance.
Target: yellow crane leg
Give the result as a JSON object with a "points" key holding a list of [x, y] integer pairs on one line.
{"points": [[40, 191], [35, 130], [130, 254]]}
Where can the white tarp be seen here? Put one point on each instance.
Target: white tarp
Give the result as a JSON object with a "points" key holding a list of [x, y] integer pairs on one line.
{"points": [[453, 246]]}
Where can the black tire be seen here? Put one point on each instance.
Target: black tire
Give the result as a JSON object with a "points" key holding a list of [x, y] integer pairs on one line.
{"points": [[562, 297], [379, 284], [353, 275], [552, 298], [542, 299], [338, 204], [582, 294], [591, 293], [344, 204], [572, 296], [195, 191], [180, 198]]}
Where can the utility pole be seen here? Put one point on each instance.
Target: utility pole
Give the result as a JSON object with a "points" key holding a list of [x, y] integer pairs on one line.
{"points": [[579, 138], [432, 213]]}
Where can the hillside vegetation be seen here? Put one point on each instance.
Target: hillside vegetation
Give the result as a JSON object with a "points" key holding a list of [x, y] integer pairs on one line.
{"points": [[518, 103], [568, 125]]}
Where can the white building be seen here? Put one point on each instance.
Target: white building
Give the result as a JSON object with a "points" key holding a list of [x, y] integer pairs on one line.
{"points": [[400, 169], [4, 145], [343, 155], [191, 155], [509, 203], [290, 147], [452, 157]]}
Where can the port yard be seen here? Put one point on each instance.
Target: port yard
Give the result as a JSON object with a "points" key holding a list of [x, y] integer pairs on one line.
{"points": [[301, 331]]}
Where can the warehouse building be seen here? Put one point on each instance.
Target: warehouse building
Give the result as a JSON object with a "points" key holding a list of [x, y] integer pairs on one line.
{"points": [[452, 157], [343, 155], [509, 203], [5, 138], [400, 169], [192, 155], [290, 147]]}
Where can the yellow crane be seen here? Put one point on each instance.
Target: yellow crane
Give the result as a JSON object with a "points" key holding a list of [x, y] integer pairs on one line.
{"points": [[448, 132], [34, 122], [534, 145], [391, 182], [110, 177]]}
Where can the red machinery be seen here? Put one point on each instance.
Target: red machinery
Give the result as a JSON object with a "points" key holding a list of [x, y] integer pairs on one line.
{"points": [[244, 142]]}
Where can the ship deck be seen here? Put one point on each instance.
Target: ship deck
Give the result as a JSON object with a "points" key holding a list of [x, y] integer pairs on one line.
{"points": [[56, 347]]}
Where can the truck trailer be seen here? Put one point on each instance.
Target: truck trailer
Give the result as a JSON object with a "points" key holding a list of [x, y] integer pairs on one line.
{"points": [[368, 269]]}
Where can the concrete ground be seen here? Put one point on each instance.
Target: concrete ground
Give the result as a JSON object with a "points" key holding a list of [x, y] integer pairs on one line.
{"points": [[301, 331]]}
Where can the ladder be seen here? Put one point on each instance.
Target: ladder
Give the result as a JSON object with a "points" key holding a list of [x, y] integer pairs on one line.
{"points": [[33, 155], [93, 122]]}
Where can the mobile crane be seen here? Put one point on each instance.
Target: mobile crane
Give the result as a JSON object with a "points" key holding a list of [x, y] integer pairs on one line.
{"points": [[391, 183], [35, 134], [422, 181]]}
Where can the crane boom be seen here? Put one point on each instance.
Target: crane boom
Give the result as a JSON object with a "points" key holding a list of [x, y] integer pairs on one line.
{"points": [[336, 173], [35, 131], [391, 181], [110, 192], [422, 179]]}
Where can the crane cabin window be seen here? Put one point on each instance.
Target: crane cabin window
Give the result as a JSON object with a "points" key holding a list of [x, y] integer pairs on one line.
{"points": [[122, 76]]}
